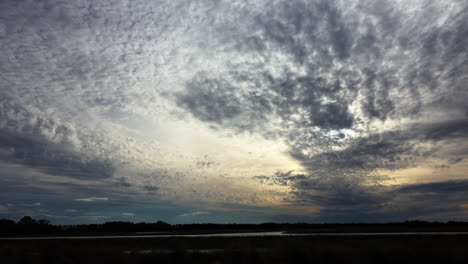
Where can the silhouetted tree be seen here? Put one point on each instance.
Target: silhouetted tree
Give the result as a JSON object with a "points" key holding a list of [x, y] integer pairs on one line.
{"points": [[44, 222], [27, 220]]}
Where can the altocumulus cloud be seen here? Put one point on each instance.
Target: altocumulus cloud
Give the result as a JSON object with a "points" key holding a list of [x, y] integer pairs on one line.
{"points": [[337, 83], [126, 99]]}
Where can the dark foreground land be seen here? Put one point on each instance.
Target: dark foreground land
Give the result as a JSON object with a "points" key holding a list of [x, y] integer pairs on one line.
{"points": [[404, 242], [278, 249]]}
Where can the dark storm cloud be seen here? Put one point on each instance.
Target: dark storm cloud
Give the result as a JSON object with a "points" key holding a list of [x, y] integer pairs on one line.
{"points": [[456, 129], [434, 201], [23, 183], [444, 188], [52, 158]]}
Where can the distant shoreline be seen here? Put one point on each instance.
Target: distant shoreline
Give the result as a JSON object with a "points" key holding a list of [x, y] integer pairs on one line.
{"points": [[31, 228], [250, 234]]}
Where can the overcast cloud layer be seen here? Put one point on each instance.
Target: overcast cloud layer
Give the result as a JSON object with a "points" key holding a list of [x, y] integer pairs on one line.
{"points": [[209, 111]]}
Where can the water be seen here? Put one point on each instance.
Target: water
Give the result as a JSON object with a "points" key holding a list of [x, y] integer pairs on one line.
{"points": [[253, 234]]}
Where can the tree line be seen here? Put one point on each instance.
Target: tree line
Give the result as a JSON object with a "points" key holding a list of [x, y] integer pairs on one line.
{"points": [[30, 226]]}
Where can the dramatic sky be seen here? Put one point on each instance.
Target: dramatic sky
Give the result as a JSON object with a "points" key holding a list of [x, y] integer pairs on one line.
{"points": [[234, 111]]}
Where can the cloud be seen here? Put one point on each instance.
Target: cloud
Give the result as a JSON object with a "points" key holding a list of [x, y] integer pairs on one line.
{"points": [[71, 210], [333, 116], [349, 179], [64, 111], [351, 88], [93, 217], [210, 100], [431, 200], [436, 187], [151, 188], [36, 204], [289, 84], [194, 214], [92, 199], [434, 201], [127, 214], [29, 137], [455, 160]]}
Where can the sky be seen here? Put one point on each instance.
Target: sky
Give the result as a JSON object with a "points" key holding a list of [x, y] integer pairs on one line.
{"points": [[236, 111]]}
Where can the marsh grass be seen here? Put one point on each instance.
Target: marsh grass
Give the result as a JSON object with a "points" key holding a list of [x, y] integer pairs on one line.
{"points": [[359, 249]]}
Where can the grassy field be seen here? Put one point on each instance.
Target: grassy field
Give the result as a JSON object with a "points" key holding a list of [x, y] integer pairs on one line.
{"points": [[356, 249]]}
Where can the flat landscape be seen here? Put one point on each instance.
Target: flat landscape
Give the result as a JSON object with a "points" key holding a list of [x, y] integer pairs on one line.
{"points": [[414, 248], [32, 241]]}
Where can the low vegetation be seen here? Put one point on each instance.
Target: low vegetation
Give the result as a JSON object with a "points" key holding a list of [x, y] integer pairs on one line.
{"points": [[361, 249], [29, 226]]}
